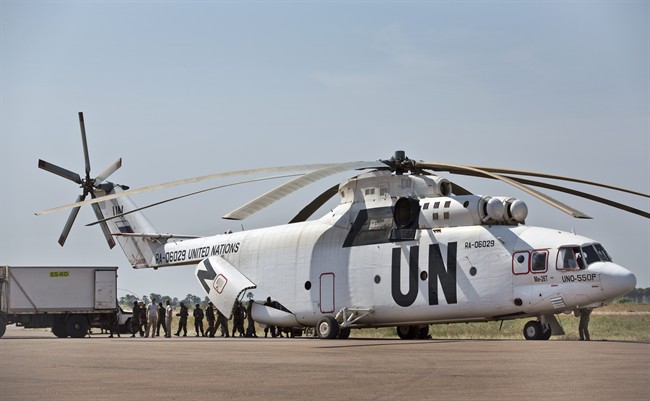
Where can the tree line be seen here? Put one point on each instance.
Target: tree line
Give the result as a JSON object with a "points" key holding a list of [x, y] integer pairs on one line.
{"points": [[189, 300]]}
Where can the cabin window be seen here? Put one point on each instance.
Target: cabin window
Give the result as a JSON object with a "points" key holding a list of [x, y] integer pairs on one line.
{"points": [[520, 262], [383, 191], [426, 206], [434, 216], [436, 205], [538, 262], [370, 191], [448, 203]]}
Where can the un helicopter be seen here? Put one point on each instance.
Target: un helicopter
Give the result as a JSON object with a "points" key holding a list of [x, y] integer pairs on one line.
{"points": [[404, 248]]}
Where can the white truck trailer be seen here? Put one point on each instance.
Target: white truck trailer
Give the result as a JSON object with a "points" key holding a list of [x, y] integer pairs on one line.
{"points": [[67, 299]]}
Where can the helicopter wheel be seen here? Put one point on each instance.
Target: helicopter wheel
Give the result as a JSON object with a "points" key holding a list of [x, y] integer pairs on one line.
{"points": [[344, 333], [327, 328], [407, 332], [533, 330]]}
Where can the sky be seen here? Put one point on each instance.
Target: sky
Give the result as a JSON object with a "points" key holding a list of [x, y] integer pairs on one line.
{"points": [[183, 89]]}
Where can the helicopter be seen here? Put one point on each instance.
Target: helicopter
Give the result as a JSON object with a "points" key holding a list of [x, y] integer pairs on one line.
{"points": [[404, 248]]}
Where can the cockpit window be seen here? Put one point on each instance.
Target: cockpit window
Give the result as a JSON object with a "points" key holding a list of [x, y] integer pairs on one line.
{"points": [[581, 257], [604, 256], [590, 253]]}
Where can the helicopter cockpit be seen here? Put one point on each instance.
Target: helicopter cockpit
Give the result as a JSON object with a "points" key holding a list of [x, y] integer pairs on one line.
{"points": [[580, 257]]}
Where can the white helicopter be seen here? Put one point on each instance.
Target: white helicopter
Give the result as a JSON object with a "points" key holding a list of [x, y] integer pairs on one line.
{"points": [[403, 248]]}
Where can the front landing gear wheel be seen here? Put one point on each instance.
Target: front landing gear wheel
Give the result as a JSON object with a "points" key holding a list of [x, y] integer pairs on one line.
{"points": [[327, 328], [407, 332], [533, 330]]}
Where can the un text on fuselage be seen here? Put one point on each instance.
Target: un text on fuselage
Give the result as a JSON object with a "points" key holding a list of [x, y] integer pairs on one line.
{"points": [[437, 273]]}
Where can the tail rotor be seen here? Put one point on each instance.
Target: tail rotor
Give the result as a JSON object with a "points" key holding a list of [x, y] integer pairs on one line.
{"points": [[87, 184]]}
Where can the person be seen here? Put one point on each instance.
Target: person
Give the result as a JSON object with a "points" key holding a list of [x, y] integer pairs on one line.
{"points": [[143, 318], [168, 319], [198, 320], [182, 323], [209, 314], [583, 327], [250, 330], [152, 317], [161, 320], [135, 319], [222, 322], [114, 322], [238, 319], [269, 303]]}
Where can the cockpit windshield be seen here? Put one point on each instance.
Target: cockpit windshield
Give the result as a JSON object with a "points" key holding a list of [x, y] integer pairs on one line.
{"points": [[574, 257]]}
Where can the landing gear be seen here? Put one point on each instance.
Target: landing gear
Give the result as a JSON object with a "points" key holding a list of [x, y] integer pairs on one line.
{"points": [[327, 328], [535, 330], [413, 332]]}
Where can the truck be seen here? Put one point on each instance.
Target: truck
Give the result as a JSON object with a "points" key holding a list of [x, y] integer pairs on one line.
{"points": [[69, 299]]}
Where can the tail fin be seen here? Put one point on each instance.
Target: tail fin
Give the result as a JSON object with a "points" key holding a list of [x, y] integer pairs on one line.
{"points": [[139, 250]]}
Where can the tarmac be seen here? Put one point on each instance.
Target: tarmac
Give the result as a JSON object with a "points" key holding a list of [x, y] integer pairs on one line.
{"points": [[35, 365]]}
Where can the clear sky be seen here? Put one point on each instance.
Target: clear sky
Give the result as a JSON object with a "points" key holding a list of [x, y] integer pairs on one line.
{"points": [[181, 89]]}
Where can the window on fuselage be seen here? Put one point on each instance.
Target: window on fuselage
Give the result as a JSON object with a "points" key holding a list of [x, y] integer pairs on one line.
{"points": [[569, 258], [538, 261], [604, 256]]}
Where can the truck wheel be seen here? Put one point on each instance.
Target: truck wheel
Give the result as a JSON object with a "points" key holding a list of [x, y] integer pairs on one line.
{"points": [[327, 327], [77, 326], [3, 326], [58, 328]]}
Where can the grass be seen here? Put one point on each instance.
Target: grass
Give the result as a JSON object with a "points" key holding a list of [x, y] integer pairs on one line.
{"points": [[621, 322]]}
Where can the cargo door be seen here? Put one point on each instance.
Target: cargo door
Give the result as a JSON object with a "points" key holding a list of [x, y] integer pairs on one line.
{"points": [[222, 282], [105, 289]]}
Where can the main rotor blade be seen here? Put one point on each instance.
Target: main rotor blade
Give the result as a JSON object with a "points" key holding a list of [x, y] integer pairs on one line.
{"points": [[560, 177], [105, 229], [292, 186], [109, 170], [314, 205], [68, 224], [186, 195], [84, 143], [477, 172], [185, 181], [60, 171], [582, 195]]}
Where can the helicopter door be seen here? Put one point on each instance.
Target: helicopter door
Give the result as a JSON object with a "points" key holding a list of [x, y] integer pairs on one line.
{"points": [[327, 292], [222, 282]]}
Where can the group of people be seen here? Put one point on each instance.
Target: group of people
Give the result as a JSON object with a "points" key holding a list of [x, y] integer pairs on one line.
{"points": [[148, 320]]}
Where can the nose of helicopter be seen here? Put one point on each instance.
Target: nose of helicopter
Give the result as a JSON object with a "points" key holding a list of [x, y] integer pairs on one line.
{"points": [[616, 280]]}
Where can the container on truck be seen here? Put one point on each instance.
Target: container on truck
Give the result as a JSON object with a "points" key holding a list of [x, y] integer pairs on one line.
{"points": [[69, 299]]}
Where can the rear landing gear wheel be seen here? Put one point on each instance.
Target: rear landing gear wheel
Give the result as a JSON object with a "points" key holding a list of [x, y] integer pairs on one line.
{"points": [[327, 328], [344, 333], [407, 332]]}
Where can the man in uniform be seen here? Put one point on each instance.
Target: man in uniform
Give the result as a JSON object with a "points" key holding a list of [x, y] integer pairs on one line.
{"points": [[209, 314], [222, 322], [135, 319], [182, 323], [250, 330], [583, 327], [198, 320]]}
